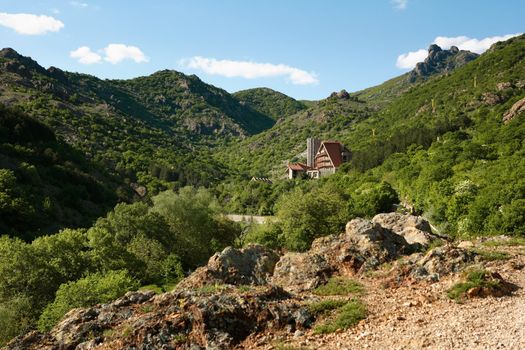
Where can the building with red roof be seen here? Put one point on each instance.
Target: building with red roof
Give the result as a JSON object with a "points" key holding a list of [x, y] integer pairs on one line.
{"points": [[323, 160]]}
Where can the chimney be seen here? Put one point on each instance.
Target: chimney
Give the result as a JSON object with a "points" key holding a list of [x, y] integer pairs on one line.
{"points": [[312, 146]]}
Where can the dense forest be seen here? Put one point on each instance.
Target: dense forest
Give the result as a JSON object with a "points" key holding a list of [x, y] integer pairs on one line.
{"points": [[110, 185]]}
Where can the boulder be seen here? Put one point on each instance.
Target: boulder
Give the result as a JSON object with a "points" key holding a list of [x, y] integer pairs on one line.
{"points": [[441, 261], [298, 272], [491, 99], [375, 242], [503, 85], [414, 229], [364, 245], [252, 265]]}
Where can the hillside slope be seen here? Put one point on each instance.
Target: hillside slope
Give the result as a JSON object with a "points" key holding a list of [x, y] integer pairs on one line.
{"points": [[267, 153], [156, 130], [270, 102], [45, 184]]}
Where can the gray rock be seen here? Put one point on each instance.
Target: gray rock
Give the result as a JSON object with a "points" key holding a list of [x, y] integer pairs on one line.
{"points": [[414, 229], [372, 240], [440, 61], [298, 272], [252, 265]]}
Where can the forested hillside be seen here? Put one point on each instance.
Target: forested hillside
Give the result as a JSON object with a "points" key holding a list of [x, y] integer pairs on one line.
{"points": [[442, 144], [154, 130], [45, 184], [270, 102]]}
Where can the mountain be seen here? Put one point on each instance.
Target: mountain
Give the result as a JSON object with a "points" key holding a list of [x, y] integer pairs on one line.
{"points": [[267, 153], [46, 184], [445, 143], [337, 116], [269, 102], [437, 62], [154, 130], [195, 106]]}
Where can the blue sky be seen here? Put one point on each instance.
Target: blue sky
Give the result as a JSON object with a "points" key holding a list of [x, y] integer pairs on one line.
{"points": [[303, 48]]}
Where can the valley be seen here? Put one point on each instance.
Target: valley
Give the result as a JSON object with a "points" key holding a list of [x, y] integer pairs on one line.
{"points": [[114, 197]]}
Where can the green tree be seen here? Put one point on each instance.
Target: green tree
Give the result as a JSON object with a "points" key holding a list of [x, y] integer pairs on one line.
{"points": [[90, 290], [306, 216]]}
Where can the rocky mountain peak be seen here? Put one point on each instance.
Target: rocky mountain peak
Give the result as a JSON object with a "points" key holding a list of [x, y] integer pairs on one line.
{"points": [[9, 53], [441, 61]]}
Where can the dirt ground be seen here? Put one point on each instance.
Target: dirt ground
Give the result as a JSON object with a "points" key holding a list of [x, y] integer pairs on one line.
{"points": [[419, 315]]}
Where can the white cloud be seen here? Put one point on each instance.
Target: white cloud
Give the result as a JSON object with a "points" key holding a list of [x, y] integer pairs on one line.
{"points": [[29, 24], [249, 70], [400, 4], [410, 59], [115, 53], [85, 55], [78, 4], [474, 45]]}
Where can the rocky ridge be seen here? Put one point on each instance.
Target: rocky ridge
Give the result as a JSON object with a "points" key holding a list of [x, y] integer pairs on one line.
{"points": [[441, 61], [255, 297]]}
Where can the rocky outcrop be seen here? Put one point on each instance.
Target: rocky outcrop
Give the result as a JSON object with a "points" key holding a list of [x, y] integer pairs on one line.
{"points": [[364, 245], [515, 110], [414, 229], [252, 265], [440, 261], [177, 320], [441, 61], [241, 293]]}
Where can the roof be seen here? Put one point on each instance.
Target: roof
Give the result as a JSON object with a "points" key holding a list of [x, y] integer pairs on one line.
{"points": [[334, 149], [298, 166]]}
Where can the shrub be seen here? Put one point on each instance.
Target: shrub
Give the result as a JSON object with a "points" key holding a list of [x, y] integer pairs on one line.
{"points": [[16, 317], [306, 216], [267, 235], [90, 290], [476, 278]]}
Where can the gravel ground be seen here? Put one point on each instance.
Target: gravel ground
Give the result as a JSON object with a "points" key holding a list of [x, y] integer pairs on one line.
{"points": [[420, 316]]}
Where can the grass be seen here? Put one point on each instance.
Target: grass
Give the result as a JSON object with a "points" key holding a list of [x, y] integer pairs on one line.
{"points": [[180, 338], [324, 306], [158, 288], [339, 286], [474, 279], [514, 241], [146, 308], [244, 288], [492, 255], [434, 244], [347, 315]]}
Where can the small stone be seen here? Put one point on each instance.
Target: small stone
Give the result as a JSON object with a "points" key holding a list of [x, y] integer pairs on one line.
{"points": [[298, 333]]}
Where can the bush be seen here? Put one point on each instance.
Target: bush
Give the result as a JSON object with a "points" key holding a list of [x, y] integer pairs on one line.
{"points": [[306, 216], [90, 290], [16, 317], [267, 235]]}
